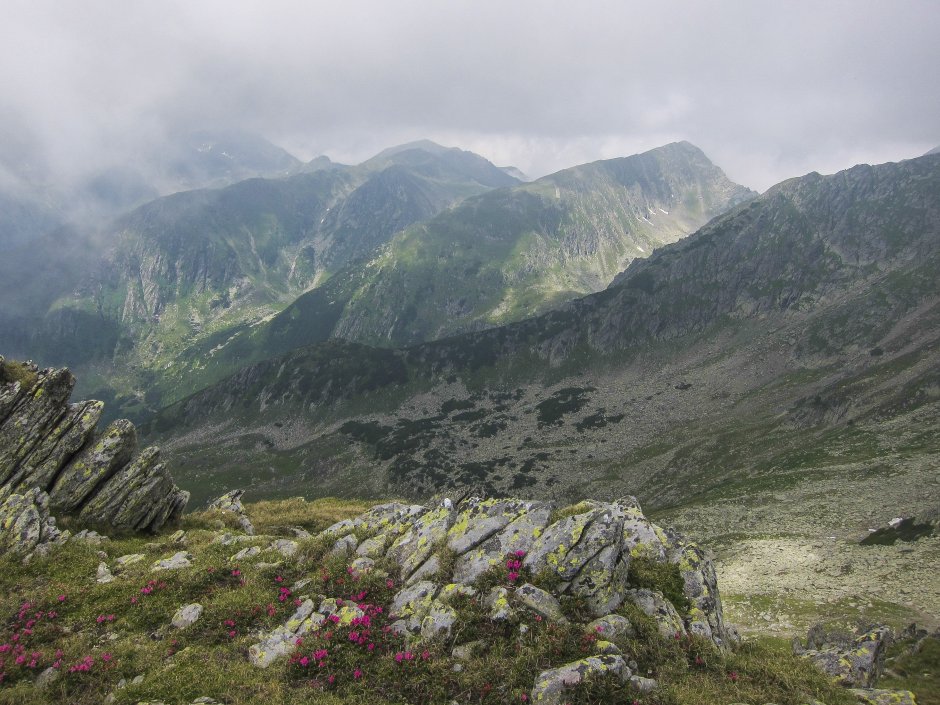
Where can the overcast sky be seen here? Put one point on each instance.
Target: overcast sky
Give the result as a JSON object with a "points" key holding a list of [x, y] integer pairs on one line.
{"points": [[768, 89]]}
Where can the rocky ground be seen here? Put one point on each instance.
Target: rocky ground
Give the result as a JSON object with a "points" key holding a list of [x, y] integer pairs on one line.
{"points": [[790, 558]]}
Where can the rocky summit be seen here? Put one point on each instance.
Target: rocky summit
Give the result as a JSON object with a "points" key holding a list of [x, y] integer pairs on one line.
{"points": [[51, 458]]}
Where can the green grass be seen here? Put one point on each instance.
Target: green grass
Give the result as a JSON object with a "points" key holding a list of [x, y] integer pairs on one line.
{"points": [[15, 371], [123, 628], [914, 668]]}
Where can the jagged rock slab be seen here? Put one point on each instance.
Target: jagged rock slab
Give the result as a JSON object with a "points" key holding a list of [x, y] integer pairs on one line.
{"points": [[68, 436], [25, 523], [49, 444], [34, 413], [232, 502], [94, 466], [140, 496]]}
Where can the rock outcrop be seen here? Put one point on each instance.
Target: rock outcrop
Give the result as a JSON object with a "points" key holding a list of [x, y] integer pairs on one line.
{"points": [[442, 553], [25, 524], [855, 661], [49, 453]]}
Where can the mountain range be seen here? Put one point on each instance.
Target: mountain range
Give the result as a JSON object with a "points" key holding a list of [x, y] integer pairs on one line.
{"points": [[419, 242], [796, 332]]}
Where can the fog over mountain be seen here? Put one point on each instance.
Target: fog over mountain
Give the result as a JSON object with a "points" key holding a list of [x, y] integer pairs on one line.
{"points": [[768, 90]]}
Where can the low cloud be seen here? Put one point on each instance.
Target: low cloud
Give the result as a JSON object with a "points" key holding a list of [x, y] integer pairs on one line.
{"points": [[768, 90]]}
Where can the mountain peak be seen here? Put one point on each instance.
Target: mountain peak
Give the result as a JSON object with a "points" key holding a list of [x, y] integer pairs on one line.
{"points": [[422, 145]]}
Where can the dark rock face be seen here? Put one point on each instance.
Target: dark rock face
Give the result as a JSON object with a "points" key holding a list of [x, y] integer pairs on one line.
{"points": [[49, 445]]}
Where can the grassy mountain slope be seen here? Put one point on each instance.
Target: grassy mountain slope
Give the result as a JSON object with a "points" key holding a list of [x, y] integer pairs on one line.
{"points": [[765, 333], [769, 384], [184, 268], [497, 257]]}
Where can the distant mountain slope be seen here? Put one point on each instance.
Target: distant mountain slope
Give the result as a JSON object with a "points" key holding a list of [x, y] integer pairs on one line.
{"points": [[799, 331], [501, 256], [186, 266]]}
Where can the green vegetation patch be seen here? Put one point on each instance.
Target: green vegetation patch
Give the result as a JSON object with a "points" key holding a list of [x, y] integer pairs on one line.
{"points": [[569, 400], [664, 577], [914, 666], [15, 371]]}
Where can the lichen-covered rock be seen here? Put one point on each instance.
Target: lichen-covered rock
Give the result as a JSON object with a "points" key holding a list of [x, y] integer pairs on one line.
{"points": [[857, 662], [550, 548], [282, 641], [497, 601], [179, 560], [479, 519], [341, 612], [35, 412], [876, 696], [49, 444], [700, 583], [232, 502], [641, 538], [518, 535], [552, 686], [345, 546], [140, 496], [187, 615], [67, 437], [25, 523], [438, 621], [540, 602], [589, 552], [429, 569], [414, 602], [654, 605], [415, 545], [94, 466], [129, 559], [611, 626]]}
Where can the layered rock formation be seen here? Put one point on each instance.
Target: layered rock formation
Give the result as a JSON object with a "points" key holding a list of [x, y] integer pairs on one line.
{"points": [[587, 553], [51, 457]]}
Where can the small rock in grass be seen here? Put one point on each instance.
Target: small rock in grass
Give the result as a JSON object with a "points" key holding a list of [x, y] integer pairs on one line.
{"points": [[245, 553], [178, 560], [497, 600], [552, 686], [103, 574], [129, 559], [540, 602], [187, 615], [613, 626], [285, 547], [644, 685]]}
